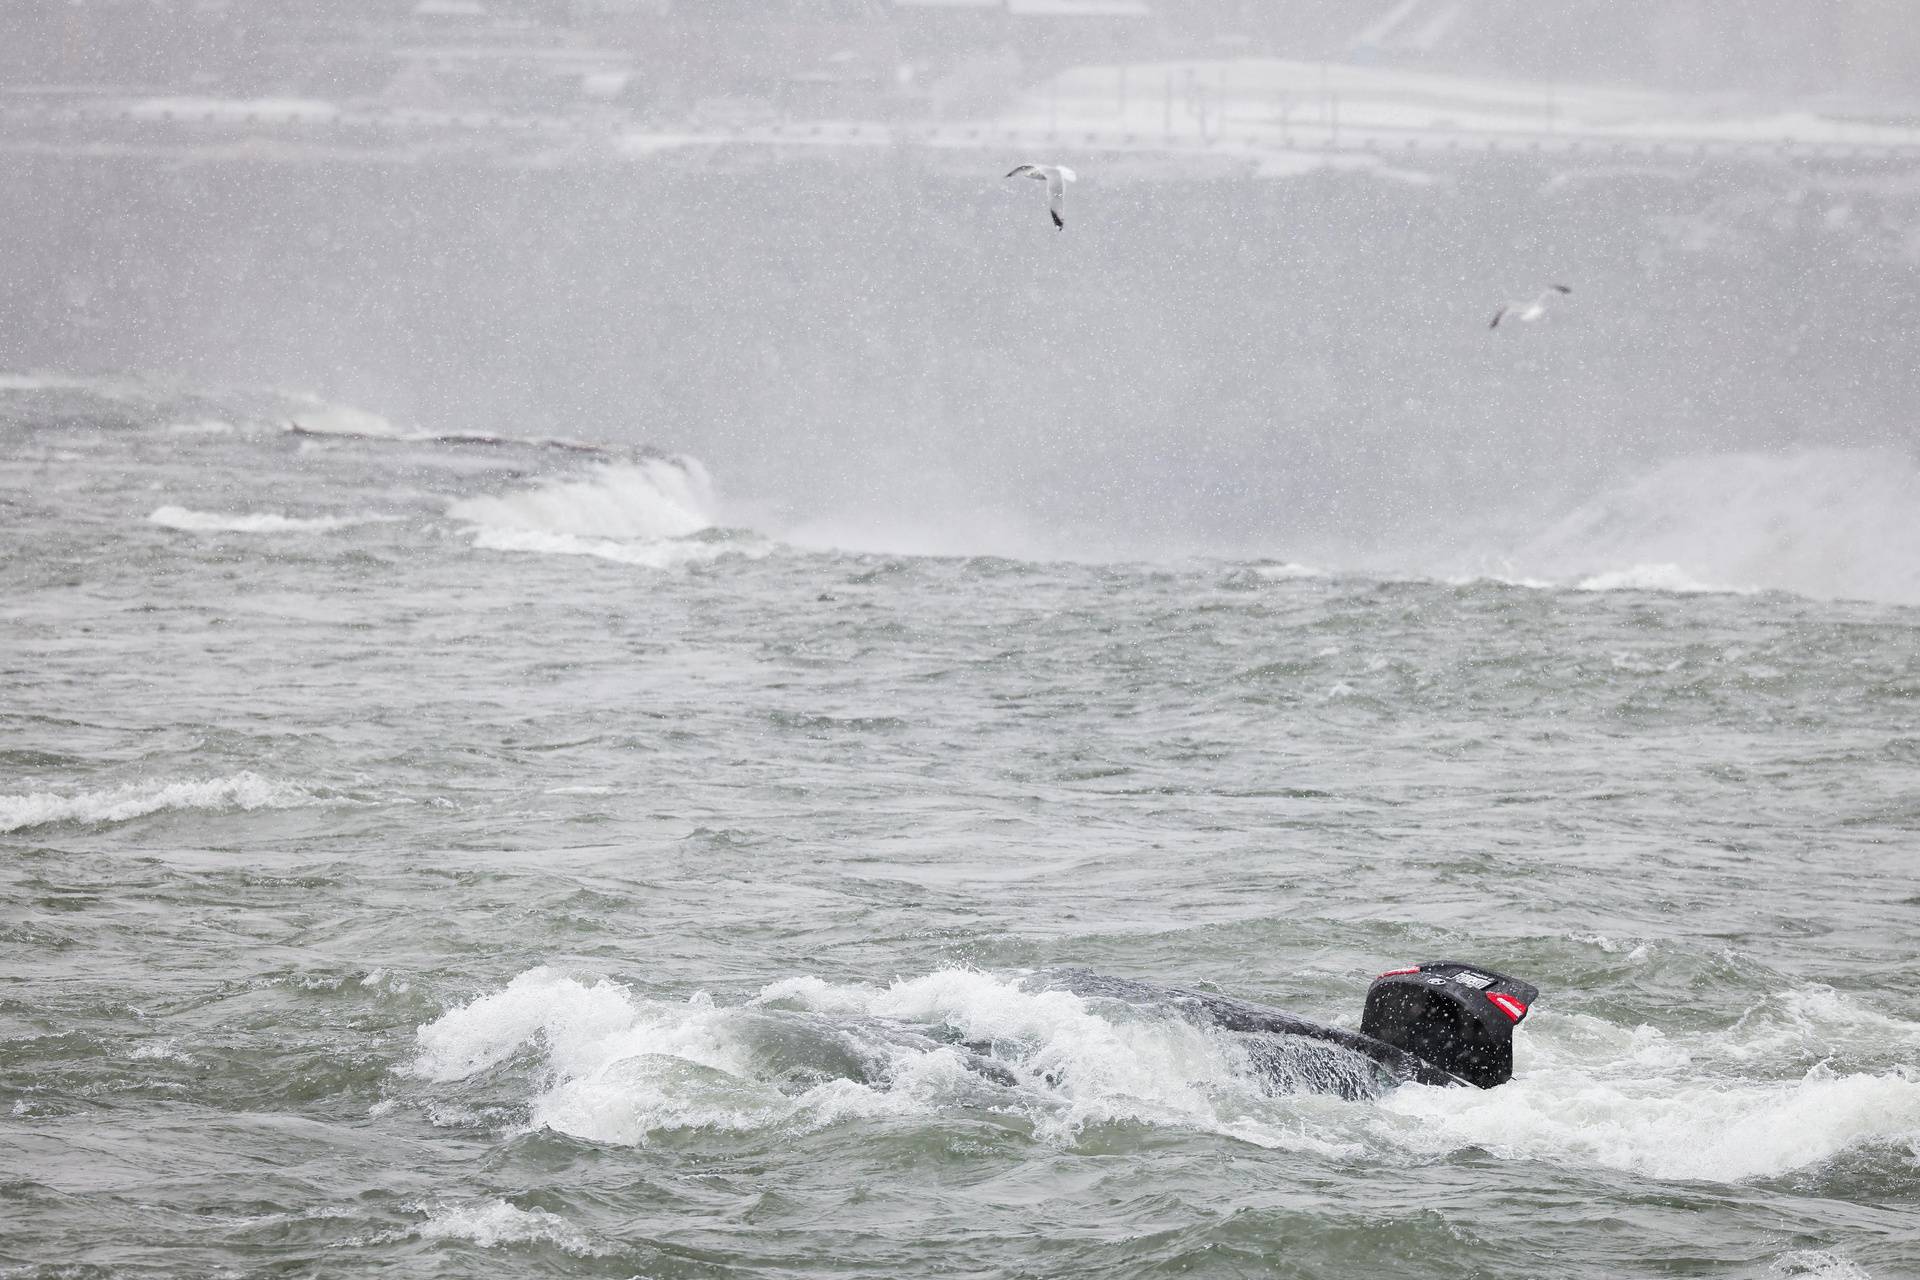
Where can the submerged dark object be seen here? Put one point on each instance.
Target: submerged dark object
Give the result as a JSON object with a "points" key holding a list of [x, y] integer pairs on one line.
{"points": [[1440, 1023]]}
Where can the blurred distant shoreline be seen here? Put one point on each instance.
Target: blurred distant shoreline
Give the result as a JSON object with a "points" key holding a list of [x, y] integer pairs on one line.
{"points": [[1238, 113]]}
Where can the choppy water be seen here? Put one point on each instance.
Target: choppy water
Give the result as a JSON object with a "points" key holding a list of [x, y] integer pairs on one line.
{"points": [[430, 859]]}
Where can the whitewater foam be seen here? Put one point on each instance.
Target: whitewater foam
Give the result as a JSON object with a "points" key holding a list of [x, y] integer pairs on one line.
{"points": [[1504, 578], [1818, 1264], [191, 521], [1288, 572], [666, 554], [245, 791], [167, 1050], [1669, 578], [638, 513], [492, 1223], [1654, 577], [1095, 1069], [321, 419], [1806, 1024], [619, 501], [621, 1068], [1696, 1107], [1669, 1127]]}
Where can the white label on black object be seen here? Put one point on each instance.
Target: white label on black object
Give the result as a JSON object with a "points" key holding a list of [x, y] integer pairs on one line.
{"points": [[1478, 981]]}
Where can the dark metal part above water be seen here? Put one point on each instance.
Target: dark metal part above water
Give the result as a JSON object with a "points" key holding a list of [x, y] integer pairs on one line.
{"points": [[1438, 1023]]}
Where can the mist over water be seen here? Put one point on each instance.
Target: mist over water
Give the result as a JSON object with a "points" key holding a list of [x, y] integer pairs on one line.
{"points": [[895, 352], [566, 702]]}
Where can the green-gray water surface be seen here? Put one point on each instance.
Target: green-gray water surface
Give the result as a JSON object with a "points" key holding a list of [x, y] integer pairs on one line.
{"points": [[424, 859]]}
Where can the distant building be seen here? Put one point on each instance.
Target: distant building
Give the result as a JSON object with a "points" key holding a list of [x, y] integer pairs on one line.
{"points": [[788, 54], [1048, 30], [496, 53], [155, 43], [857, 56]]}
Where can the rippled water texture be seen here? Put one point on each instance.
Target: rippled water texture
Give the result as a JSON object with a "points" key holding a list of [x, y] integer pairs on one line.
{"points": [[448, 859]]}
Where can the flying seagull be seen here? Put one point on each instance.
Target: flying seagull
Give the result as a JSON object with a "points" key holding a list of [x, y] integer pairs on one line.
{"points": [[1056, 176], [1528, 311]]}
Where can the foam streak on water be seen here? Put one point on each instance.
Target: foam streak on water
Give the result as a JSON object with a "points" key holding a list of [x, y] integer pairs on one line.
{"points": [[244, 790], [459, 856]]}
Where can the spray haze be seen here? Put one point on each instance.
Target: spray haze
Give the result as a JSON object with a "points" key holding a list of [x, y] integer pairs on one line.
{"points": [[1206, 362]]}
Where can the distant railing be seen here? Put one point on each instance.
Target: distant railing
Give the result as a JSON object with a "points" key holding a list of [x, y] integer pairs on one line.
{"points": [[1200, 127]]}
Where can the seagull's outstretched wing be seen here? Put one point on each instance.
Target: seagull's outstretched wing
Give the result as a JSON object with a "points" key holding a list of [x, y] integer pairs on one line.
{"points": [[1025, 168], [1498, 316], [1057, 198], [1560, 288]]}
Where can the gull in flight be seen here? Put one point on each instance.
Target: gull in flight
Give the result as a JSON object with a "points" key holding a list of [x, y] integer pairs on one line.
{"points": [[1528, 311], [1056, 176]]}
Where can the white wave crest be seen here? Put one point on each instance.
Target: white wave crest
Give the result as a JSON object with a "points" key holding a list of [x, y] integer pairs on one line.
{"points": [[1654, 577], [1823, 523], [1665, 1127], [665, 554], [1497, 579], [252, 522], [623, 1069], [245, 791], [1589, 1092], [491, 1223], [1288, 572], [638, 513], [619, 501], [1818, 1264], [1087, 1066], [1809, 1023], [322, 419]]}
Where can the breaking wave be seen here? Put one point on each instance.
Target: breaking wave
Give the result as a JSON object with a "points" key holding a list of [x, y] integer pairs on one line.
{"points": [[317, 418], [252, 522], [491, 1223], [665, 554], [1287, 572], [626, 1069], [1654, 577], [244, 791], [1818, 1264], [1663, 1126], [1822, 523], [641, 513], [621, 1068], [619, 501]]}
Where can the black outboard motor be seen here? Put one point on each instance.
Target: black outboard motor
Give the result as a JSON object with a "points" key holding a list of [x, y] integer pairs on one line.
{"points": [[1457, 1017]]}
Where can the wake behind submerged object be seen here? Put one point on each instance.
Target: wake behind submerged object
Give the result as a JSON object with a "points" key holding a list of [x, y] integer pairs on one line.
{"points": [[1438, 1023]]}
